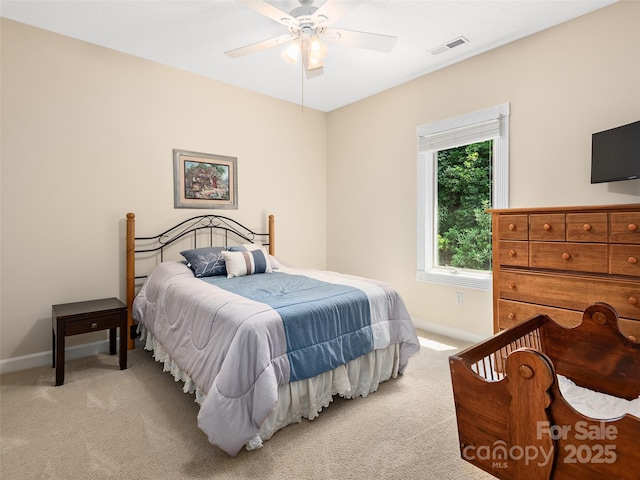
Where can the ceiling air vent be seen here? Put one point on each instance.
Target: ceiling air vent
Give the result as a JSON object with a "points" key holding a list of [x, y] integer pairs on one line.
{"points": [[449, 45]]}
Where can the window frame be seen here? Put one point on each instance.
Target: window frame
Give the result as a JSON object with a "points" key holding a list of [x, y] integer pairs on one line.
{"points": [[454, 132]]}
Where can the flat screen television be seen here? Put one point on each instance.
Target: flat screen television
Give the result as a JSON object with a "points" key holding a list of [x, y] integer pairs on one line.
{"points": [[615, 154]]}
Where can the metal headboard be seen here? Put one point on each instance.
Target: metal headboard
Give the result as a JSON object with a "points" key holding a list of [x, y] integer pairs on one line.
{"points": [[192, 227]]}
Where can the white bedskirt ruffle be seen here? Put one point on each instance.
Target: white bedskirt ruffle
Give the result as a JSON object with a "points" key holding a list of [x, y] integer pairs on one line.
{"points": [[303, 398]]}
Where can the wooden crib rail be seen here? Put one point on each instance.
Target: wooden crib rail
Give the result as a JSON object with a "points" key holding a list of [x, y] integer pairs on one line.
{"points": [[487, 358]]}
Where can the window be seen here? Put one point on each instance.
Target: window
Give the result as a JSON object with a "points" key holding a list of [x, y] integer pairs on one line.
{"points": [[463, 169]]}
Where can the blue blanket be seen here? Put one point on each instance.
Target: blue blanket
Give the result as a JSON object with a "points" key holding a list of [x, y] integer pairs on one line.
{"points": [[326, 324]]}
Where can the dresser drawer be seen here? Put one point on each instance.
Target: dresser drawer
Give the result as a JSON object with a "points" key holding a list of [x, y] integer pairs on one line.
{"points": [[510, 313], [624, 227], [549, 227], [576, 257], [624, 260], [587, 227], [571, 292], [515, 254], [513, 227]]}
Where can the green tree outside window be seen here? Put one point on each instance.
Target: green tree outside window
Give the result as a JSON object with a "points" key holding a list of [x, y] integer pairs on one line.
{"points": [[464, 194]]}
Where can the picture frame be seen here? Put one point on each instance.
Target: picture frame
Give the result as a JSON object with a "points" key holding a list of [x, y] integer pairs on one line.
{"points": [[204, 180]]}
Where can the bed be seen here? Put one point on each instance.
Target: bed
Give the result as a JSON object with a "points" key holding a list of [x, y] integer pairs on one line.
{"points": [[260, 344], [541, 401]]}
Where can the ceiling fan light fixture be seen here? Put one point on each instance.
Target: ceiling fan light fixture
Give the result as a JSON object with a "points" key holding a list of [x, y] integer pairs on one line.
{"points": [[290, 54], [316, 48], [314, 62], [314, 43], [316, 51]]}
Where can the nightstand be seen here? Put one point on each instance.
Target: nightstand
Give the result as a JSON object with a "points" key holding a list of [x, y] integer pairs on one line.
{"points": [[83, 317]]}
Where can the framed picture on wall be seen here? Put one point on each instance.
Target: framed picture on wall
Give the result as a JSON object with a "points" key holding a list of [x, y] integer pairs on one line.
{"points": [[203, 180]]}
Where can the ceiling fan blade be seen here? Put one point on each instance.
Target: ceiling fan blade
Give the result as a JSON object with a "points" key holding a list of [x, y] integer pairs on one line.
{"points": [[259, 46], [334, 10], [269, 11], [350, 38]]}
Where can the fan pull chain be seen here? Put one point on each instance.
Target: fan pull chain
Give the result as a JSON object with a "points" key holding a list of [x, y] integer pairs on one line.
{"points": [[302, 86]]}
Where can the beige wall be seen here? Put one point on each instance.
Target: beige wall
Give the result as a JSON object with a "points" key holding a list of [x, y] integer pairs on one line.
{"points": [[87, 136], [563, 84]]}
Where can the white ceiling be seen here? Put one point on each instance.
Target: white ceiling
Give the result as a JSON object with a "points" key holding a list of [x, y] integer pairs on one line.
{"points": [[192, 35]]}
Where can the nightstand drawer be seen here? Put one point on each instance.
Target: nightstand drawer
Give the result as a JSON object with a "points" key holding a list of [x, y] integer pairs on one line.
{"points": [[576, 257], [93, 323]]}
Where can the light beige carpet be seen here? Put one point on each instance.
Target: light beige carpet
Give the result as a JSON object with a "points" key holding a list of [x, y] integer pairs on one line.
{"points": [[104, 423]]}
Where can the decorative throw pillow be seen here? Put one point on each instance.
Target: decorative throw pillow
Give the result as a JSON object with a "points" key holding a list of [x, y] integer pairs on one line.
{"points": [[246, 260], [206, 261], [273, 261]]}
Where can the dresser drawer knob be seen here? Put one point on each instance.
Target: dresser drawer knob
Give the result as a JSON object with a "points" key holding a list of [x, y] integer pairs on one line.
{"points": [[632, 300], [512, 226], [512, 253], [94, 324], [546, 227], [632, 260], [586, 227], [512, 286], [511, 316], [566, 256], [632, 227]]}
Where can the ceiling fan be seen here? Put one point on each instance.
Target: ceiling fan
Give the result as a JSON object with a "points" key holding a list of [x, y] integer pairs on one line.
{"points": [[308, 27]]}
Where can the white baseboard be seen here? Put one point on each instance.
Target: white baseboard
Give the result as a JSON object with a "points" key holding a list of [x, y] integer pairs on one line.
{"points": [[41, 359], [441, 329]]}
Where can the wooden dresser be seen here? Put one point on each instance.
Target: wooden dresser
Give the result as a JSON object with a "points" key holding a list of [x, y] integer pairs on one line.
{"points": [[559, 260]]}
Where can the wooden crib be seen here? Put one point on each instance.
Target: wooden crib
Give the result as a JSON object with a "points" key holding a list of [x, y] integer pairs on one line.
{"points": [[514, 423]]}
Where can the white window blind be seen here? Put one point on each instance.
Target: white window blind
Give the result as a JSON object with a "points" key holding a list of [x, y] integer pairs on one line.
{"points": [[456, 137]]}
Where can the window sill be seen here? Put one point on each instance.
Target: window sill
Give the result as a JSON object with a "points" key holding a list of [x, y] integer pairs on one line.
{"points": [[466, 279]]}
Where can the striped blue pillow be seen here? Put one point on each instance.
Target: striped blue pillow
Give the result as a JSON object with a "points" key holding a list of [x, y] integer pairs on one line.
{"points": [[246, 259]]}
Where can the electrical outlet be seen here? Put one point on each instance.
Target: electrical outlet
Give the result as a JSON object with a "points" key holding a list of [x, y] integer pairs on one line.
{"points": [[459, 298]]}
